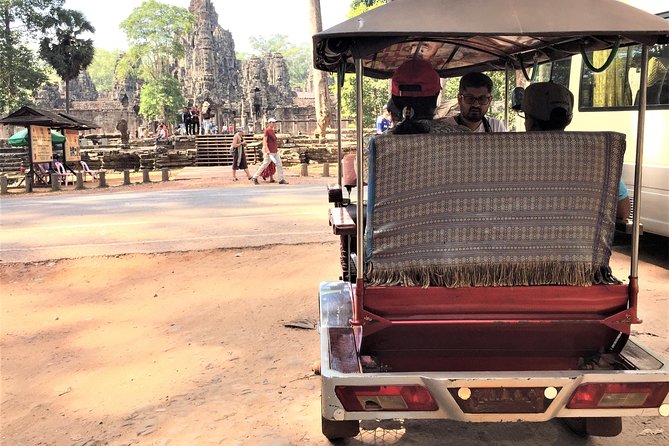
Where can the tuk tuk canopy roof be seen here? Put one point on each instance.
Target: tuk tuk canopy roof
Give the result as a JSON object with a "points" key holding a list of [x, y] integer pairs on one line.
{"points": [[459, 36]]}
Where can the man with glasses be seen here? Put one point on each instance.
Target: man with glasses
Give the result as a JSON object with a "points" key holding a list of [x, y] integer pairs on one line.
{"points": [[474, 100]]}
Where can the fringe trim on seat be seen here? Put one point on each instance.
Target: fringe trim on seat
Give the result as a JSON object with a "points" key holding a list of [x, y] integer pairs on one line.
{"points": [[462, 276]]}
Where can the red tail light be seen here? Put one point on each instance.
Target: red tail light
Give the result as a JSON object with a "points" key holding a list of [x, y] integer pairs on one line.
{"points": [[620, 395], [385, 398]]}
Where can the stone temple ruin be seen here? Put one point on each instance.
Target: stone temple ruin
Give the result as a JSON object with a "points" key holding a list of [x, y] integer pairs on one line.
{"points": [[240, 93]]}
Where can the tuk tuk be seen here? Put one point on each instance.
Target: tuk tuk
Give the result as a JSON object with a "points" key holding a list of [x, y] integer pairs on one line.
{"points": [[475, 285]]}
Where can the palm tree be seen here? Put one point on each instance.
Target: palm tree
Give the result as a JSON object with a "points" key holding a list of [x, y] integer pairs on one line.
{"points": [[64, 50], [321, 88]]}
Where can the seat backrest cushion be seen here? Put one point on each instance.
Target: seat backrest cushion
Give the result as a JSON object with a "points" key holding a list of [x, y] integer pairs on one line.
{"points": [[492, 209]]}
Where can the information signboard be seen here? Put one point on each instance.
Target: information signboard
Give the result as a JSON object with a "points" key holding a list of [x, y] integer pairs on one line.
{"points": [[72, 145], [40, 143]]}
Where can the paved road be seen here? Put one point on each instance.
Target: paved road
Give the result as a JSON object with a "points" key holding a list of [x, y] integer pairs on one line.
{"points": [[66, 226]]}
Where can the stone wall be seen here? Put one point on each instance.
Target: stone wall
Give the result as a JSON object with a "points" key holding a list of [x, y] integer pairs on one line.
{"points": [[179, 154], [265, 87]]}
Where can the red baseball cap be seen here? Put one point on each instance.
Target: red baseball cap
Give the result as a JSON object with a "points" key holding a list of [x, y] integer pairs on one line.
{"points": [[415, 78]]}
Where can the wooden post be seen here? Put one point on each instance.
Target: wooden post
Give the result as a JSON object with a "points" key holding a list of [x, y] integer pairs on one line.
{"points": [[305, 170], [326, 169], [3, 184], [145, 176], [29, 182], [80, 181], [102, 175], [166, 173], [55, 182], [126, 177]]}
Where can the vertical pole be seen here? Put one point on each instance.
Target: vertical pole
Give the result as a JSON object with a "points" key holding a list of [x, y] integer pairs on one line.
{"points": [[145, 176], [29, 181], [31, 167], [636, 216], [340, 80], [102, 175], [166, 173], [326, 169], [360, 165], [360, 227], [126, 177], [55, 181], [80, 181], [506, 96], [3, 184]]}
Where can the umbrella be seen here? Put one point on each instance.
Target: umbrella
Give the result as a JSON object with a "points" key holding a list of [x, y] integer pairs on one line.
{"points": [[20, 139]]}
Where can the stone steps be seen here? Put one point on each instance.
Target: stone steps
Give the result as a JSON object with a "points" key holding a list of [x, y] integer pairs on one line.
{"points": [[214, 150]]}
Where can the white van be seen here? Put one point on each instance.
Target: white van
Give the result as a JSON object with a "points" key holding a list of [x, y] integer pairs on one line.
{"points": [[607, 101]]}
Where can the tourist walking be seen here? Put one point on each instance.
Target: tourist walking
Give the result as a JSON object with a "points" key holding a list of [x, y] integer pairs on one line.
{"points": [[238, 150], [270, 150]]}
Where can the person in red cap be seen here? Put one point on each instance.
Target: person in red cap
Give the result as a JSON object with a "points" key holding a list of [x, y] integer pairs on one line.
{"points": [[415, 88]]}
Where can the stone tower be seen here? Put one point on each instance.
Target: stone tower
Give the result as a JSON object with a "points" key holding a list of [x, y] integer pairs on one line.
{"points": [[265, 86], [53, 95], [210, 70]]}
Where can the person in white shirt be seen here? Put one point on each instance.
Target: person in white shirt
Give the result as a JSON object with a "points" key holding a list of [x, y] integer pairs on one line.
{"points": [[474, 98]]}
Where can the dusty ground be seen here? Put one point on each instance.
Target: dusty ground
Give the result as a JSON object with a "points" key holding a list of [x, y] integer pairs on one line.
{"points": [[189, 347], [192, 349]]}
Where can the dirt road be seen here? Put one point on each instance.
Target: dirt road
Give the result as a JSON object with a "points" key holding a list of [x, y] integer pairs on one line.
{"points": [[192, 349]]}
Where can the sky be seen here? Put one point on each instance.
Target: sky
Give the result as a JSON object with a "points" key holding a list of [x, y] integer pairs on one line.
{"points": [[243, 18]]}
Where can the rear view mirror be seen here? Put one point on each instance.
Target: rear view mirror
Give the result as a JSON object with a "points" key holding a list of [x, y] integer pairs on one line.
{"points": [[517, 98]]}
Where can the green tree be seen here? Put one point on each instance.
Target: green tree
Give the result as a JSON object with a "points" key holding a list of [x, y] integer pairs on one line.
{"points": [[360, 6], [376, 96], [320, 79], [64, 49], [155, 34], [298, 59], [162, 97], [102, 68], [368, 3], [276, 43], [20, 71]]}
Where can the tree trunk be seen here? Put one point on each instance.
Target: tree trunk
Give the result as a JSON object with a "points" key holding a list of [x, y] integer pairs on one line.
{"points": [[7, 44], [67, 96], [321, 90]]}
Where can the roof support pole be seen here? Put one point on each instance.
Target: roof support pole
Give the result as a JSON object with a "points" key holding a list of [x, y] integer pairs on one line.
{"points": [[636, 216], [506, 95], [360, 259], [639, 161], [340, 82]]}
